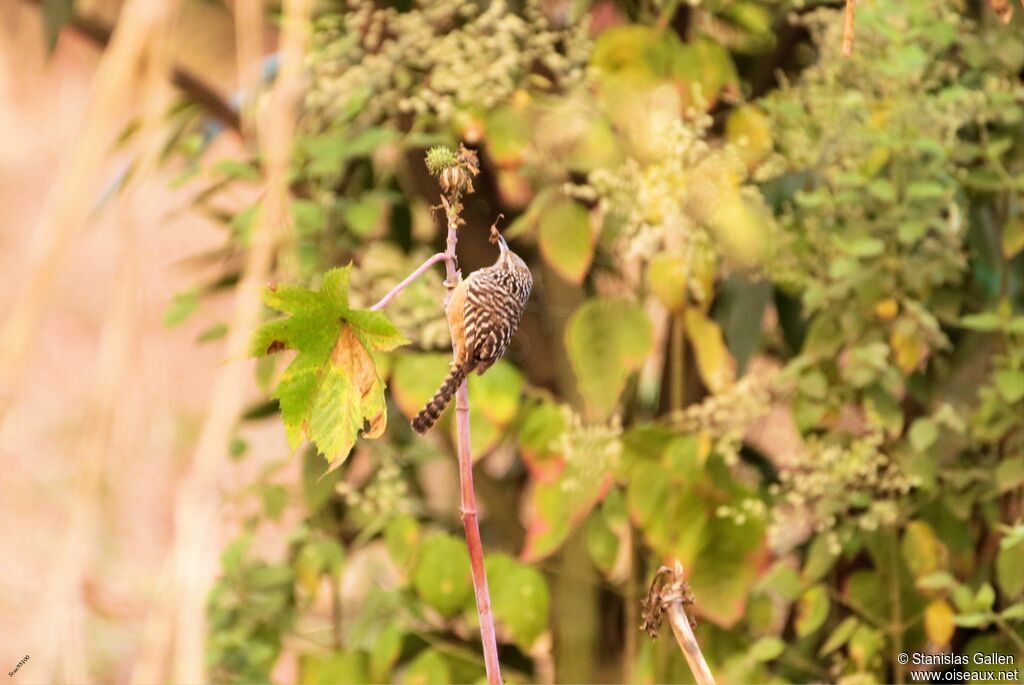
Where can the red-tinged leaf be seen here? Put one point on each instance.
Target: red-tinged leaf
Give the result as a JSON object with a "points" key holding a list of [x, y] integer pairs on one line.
{"points": [[559, 505]]}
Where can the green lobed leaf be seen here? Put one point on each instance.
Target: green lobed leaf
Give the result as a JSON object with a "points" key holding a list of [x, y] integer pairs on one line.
{"points": [[332, 388]]}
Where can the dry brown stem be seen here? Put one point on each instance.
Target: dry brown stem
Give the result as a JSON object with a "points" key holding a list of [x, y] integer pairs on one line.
{"points": [[669, 595]]}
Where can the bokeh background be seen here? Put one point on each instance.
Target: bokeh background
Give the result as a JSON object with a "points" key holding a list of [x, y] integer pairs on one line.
{"points": [[776, 333]]}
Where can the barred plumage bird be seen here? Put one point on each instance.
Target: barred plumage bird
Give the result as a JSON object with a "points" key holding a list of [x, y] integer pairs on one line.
{"points": [[483, 313]]}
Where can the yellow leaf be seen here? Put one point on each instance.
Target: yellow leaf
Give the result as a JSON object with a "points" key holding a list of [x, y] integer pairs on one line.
{"points": [[1013, 238], [922, 550], [350, 355], [908, 347], [716, 366], [938, 623], [666, 277], [887, 309], [749, 130]]}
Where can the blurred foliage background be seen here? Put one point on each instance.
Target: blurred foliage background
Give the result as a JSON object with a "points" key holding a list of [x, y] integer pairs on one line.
{"points": [[776, 333]]}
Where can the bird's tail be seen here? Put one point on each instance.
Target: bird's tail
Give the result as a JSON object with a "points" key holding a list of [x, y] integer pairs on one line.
{"points": [[430, 413]]}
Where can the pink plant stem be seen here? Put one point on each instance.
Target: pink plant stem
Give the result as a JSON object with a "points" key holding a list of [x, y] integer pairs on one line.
{"points": [[468, 507], [412, 277]]}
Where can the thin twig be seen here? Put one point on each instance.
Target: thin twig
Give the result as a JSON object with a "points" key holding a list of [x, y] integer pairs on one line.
{"points": [[409, 279], [670, 594], [850, 17]]}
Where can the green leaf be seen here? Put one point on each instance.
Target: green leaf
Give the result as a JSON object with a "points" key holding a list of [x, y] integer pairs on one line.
{"points": [[402, 536], [977, 619], [985, 597], [519, 598], [1013, 238], [602, 543], [985, 321], [566, 239], [812, 610], [820, 559], [428, 668], [416, 377], [332, 387], [385, 652], [496, 394], [274, 498], [607, 340], [318, 482], [704, 67], [923, 434], [182, 306], [1010, 474], [234, 168], [1010, 383], [921, 549], [676, 508], [767, 649], [308, 217], [542, 425], [364, 215], [337, 668], [840, 636], [56, 14], [1014, 612], [639, 53], [442, 577], [1010, 570], [864, 644], [214, 332], [508, 135], [937, 581]]}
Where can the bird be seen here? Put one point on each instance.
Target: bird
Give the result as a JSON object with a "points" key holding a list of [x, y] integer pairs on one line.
{"points": [[483, 314]]}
